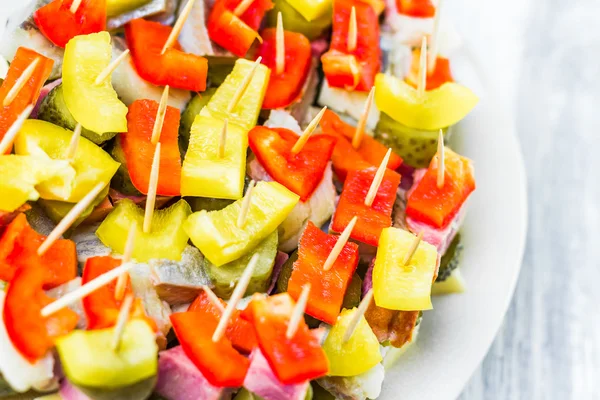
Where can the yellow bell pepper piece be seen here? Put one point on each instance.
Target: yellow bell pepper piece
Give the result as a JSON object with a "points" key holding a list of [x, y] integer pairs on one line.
{"points": [[359, 354], [245, 113], [204, 173], [439, 108], [166, 239], [312, 9], [95, 107], [117, 7], [219, 238], [399, 287], [21, 174], [92, 164]]}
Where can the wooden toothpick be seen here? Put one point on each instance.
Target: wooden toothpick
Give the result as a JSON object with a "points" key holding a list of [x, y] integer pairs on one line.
{"points": [[241, 221], [360, 311], [422, 82], [339, 245], [75, 6], [308, 131], [377, 179], [160, 116], [243, 86], [16, 88], [152, 185], [74, 143], [110, 68], [412, 249], [362, 122], [223, 138], [242, 7], [121, 321], [279, 46], [352, 31], [441, 168], [122, 281], [71, 216], [298, 312], [84, 290], [185, 13], [214, 299], [11, 133], [434, 40], [236, 296]]}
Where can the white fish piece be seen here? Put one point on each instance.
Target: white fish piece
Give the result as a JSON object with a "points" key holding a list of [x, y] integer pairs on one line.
{"points": [[153, 8], [88, 244], [283, 119], [348, 103], [77, 307], [3, 67], [364, 386], [194, 35]]}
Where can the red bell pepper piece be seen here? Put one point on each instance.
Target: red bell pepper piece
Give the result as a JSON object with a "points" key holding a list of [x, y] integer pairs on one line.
{"points": [[416, 8], [354, 70], [139, 151], [29, 93], [239, 331], [301, 173], [59, 24], [440, 75], [292, 360], [438, 206], [371, 220], [218, 361], [327, 288], [32, 334], [18, 248], [284, 88], [234, 33], [175, 68]]}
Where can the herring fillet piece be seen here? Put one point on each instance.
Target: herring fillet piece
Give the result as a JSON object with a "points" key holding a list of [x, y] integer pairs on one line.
{"points": [[194, 35]]}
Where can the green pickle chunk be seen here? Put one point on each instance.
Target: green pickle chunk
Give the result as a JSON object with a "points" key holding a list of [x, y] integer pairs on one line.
{"points": [[450, 259], [121, 181], [192, 109], [295, 22]]}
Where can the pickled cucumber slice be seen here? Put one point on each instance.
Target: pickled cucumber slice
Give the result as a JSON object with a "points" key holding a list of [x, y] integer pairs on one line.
{"points": [[295, 22], [226, 276], [138, 391], [121, 181], [450, 260], [286, 273], [455, 283], [218, 69], [189, 114], [117, 7], [207, 203]]}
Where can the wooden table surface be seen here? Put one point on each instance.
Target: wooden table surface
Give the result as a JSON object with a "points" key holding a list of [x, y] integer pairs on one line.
{"points": [[545, 55]]}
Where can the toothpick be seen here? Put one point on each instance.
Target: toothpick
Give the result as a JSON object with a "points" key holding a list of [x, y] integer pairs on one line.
{"points": [[279, 46], [110, 68], [160, 116], [441, 170], [378, 179], [422, 82], [213, 298], [74, 143], [242, 7], [238, 293], [81, 292], [242, 88], [75, 6], [68, 220], [16, 88], [122, 321], [178, 26], [223, 139], [360, 311], [434, 40], [352, 31], [339, 245], [362, 122], [151, 196], [241, 221], [307, 132], [298, 312], [412, 249], [122, 281], [11, 133]]}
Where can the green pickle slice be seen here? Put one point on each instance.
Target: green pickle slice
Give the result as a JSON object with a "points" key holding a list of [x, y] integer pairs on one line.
{"points": [[192, 109], [295, 22], [121, 181]]}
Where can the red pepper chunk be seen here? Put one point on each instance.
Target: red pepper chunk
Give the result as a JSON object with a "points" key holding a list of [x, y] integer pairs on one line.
{"points": [[31, 334], [301, 173], [139, 151], [438, 206], [371, 220], [59, 24], [353, 70], [292, 360], [175, 68], [18, 248], [416, 8], [239, 331], [440, 75], [218, 361], [284, 88], [29, 93], [327, 288]]}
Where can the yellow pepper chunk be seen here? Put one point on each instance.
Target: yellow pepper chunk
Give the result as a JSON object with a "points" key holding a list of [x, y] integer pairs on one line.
{"points": [[312, 9], [95, 107], [403, 287], [219, 238], [92, 164], [359, 354], [204, 173], [439, 108], [166, 238]]}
